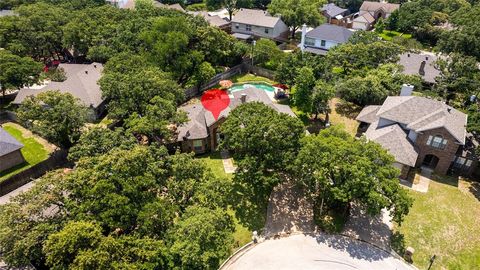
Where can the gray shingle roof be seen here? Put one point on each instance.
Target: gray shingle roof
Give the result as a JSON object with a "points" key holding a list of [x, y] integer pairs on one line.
{"points": [[8, 143], [333, 10], [200, 119], [330, 32], [255, 17], [395, 141], [80, 84], [369, 114], [412, 62], [212, 20], [421, 114]]}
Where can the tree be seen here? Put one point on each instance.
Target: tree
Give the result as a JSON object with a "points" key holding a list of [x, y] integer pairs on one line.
{"points": [[132, 92], [16, 71], [203, 238], [322, 94], [303, 89], [267, 54], [458, 74], [379, 26], [295, 13], [337, 169], [203, 74], [98, 141], [28, 219], [57, 116]]}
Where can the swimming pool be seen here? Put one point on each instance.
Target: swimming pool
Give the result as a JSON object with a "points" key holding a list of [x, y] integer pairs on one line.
{"points": [[262, 86]]}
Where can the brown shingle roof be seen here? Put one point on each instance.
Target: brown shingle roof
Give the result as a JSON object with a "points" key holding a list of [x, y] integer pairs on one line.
{"points": [[255, 17], [374, 6]]}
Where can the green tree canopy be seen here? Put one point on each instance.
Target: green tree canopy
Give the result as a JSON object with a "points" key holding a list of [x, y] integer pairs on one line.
{"points": [[16, 71], [57, 116]]}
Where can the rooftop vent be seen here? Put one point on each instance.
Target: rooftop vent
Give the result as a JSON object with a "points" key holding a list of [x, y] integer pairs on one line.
{"points": [[86, 71], [243, 98]]}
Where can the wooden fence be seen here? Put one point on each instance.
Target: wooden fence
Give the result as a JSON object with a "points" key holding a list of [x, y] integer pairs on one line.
{"points": [[56, 160]]}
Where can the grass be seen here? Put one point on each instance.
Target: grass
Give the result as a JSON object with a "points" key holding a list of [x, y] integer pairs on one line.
{"points": [[33, 152], [242, 234], [250, 78], [445, 222], [344, 113], [389, 35]]}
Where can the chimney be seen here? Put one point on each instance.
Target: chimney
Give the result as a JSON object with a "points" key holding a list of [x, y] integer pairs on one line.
{"points": [[304, 33], [243, 98], [421, 70], [407, 90]]}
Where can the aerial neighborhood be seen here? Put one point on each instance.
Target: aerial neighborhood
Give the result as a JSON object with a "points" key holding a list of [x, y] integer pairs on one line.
{"points": [[225, 134]]}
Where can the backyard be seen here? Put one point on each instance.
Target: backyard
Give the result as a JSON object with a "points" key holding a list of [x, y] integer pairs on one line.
{"points": [[213, 161], [444, 222], [34, 151]]}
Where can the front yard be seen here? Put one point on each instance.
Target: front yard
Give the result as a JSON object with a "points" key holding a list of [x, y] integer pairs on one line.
{"points": [[445, 221], [35, 149]]}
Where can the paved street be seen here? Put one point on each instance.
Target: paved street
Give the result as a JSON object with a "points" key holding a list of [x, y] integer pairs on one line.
{"points": [[321, 252]]}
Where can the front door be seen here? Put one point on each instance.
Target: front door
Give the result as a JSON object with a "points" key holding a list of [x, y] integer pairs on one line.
{"points": [[430, 161]]}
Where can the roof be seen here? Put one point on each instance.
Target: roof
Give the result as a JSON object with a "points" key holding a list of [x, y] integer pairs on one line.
{"points": [[316, 50], [374, 6], [365, 16], [394, 139], [412, 63], [200, 119], [7, 12], [172, 6], [8, 143], [422, 114], [241, 36], [214, 20], [255, 17], [369, 114], [333, 10], [330, 32], [81, 82]]}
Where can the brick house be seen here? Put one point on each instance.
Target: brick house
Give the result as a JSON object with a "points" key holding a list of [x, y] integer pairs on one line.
{"points": [[420, 132], [10, 154], [201, 133]]}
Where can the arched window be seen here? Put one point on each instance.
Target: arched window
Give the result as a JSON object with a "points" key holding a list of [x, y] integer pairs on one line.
{"points": [[437, 141]]}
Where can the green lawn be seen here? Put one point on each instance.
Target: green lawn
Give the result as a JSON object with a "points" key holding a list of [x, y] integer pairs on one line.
{"points": [[389, 35], [33, 152], [213, 161], [250, 78], [445, 221]]}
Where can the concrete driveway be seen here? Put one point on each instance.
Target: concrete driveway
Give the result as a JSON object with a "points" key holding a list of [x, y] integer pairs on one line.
{"points": [[332, 252]]}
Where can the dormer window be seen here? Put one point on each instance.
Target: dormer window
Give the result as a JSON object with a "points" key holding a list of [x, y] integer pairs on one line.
{"points": [[437, 141]]}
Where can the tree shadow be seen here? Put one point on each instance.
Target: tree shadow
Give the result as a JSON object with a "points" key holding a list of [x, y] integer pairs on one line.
{"points": [[397, 242], [474, 188], [250, 207], [347, 109], [355, 248]]}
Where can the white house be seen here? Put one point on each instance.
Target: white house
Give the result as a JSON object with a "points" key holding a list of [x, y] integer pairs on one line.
{"points": [[320, 39], [258, 23]]}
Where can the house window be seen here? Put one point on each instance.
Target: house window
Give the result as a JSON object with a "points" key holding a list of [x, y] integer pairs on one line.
{"points": [[437, 142], [322, 43], [309, 41], [198, 145], [462, 163], [267, 30], [248, 27], [237, 26]]}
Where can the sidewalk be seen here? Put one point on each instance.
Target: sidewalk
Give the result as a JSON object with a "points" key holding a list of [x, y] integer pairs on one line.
{"points": [[227, 162]]}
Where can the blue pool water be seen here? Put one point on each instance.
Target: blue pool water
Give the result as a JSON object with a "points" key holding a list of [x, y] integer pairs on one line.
{"points": [[262, 86]]}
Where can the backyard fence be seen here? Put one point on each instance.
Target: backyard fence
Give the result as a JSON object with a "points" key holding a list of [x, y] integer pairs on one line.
{"points": [[57, 159], [8, 116], [242, 68]]}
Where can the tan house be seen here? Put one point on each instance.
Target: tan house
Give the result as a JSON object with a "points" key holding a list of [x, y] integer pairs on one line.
{"points": [[370, 12], [200, 134], [420, 132], [10, 154], [258, 23]]}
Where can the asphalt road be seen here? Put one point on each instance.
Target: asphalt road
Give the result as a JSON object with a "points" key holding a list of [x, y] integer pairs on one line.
{"points": [[316, 252]]}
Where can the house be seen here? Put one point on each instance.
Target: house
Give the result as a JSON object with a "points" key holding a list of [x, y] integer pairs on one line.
{"points": [[258, 23], [419, 132], [7, 12], [421, 64], [214, 20], [323, 38], [370, 12], [334, 13], [81, 82], [200, 134], [172, 6], [10, 154], [378, 9]]}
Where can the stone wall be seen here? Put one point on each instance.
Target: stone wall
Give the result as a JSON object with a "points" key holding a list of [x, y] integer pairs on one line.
{"points": [[445, 155]]}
